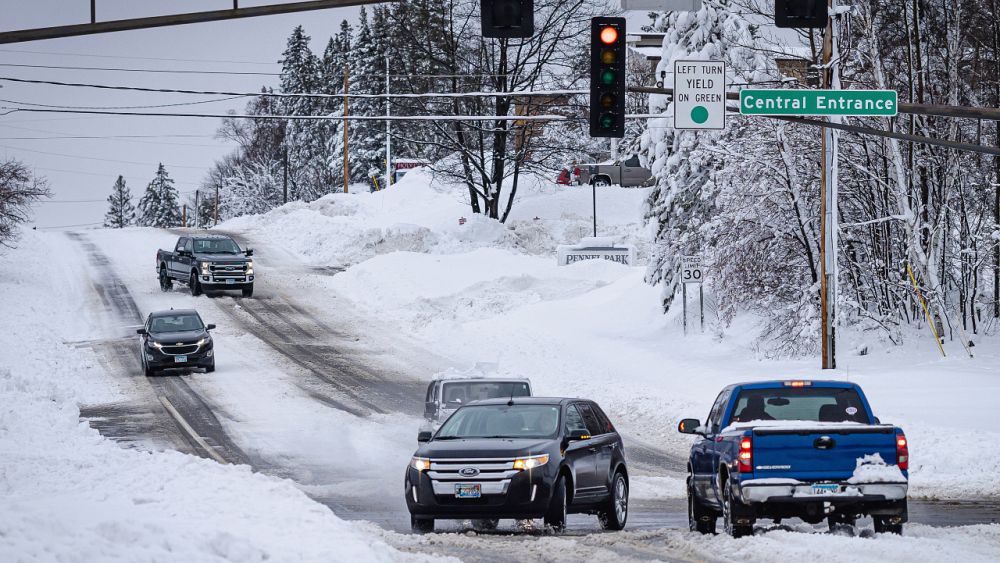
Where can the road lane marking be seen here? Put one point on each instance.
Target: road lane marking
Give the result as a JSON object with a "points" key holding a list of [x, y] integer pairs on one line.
{"points": [[190, 431]]}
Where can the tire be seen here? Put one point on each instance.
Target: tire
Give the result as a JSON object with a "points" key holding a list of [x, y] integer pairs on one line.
{"points": [[733, 510], [421, 525], [486, 525], [555, 517], [195, 285], [248, 292], [166, 284], [700, 519], [882, 526], [840, 522], [150, 372], [602, 182], [615, 514]]}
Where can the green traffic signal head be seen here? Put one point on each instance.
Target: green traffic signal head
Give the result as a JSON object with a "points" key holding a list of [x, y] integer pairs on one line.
{"points": [[608, 120], [609, 77]]}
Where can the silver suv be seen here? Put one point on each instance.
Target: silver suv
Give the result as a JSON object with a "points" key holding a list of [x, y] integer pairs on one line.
{"points": [[446, 395]]}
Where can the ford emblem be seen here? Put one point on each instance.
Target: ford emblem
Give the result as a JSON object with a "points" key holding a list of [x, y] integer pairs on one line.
{"points": [[469, 472]]}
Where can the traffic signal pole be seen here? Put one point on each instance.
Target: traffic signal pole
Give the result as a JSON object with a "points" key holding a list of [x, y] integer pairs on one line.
{"points": [[828, 202]]}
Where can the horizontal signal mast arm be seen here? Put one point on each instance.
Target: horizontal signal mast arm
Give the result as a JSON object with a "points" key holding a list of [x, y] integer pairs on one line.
{"points": [[22, 35]]}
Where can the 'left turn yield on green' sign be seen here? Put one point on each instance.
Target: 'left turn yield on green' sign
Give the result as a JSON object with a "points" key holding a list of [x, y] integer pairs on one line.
{"points": [[819, 102]]}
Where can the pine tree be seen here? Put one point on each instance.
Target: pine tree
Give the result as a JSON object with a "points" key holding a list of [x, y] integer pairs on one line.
{"points": [[306, 141], [159, 205], [121, 211], [368, 60]]}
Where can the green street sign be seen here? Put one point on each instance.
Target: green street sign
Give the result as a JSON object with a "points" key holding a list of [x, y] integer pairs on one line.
{"points": [[819, 102]]}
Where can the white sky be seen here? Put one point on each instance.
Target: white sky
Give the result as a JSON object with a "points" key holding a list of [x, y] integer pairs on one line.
{"points": [[85, 169]]}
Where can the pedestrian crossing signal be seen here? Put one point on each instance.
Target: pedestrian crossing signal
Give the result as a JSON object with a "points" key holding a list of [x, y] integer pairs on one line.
{"points": [[800, 13], [508, 18]]}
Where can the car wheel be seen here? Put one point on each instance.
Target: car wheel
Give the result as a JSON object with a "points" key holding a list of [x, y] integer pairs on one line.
{"points": [[421, 525], [166, 284], [614, 516], [195, 286], [840, 523], [555, 517], [485, 525], [883, 526], [735, 514], [150, 372], [248, 292], [700, 519]]}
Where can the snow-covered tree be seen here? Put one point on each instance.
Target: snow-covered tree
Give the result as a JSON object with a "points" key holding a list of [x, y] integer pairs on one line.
{"points": [[20, 188], [121, 210], [159, 206]]}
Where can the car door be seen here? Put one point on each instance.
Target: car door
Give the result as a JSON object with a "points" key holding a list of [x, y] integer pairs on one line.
{"points": [[430, 401], [580, 454], [702, 452], [175, 265], [604, 442], [715, 427]]}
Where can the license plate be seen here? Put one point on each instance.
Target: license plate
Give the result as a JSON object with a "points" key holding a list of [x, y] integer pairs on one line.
{"points": [[180, 359], [230, 282], [825, 488], [468, 491]]}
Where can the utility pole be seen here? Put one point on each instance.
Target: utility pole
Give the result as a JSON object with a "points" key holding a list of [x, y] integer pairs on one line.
{"points": [[284, 184], [184, 215], [828, 203], [388, 128], [216, 205], [347, 86], [197, 209]]}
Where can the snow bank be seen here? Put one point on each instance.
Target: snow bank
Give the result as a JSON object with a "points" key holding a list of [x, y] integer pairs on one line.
{"points": [[68, 494]]}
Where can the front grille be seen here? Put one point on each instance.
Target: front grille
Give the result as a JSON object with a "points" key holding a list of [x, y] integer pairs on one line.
{"points": [[180, 350], [224, 271], [490, 469]]}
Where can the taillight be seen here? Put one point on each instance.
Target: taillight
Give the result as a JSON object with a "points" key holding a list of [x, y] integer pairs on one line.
{"points": [[746, 455], [902, 452]]}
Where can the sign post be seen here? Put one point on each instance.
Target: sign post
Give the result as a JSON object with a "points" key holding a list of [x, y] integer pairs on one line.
{"points": [[699, 95], [692, 272]]}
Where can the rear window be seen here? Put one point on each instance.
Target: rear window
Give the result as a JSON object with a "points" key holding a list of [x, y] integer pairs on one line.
{"points": [[815, 404], [460, 393]]}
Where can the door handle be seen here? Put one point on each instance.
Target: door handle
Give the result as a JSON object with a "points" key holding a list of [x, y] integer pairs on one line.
{"points": [[592, 450]]}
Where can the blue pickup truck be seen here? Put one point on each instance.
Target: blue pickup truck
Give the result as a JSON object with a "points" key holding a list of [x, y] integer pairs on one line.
{"points": [[795, 449]]}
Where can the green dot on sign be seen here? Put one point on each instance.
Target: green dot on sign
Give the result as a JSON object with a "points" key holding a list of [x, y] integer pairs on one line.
{"points": [[699, 114]]}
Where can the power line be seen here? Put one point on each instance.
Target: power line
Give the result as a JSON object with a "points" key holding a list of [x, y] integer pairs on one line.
{"points": [[147, 70], [102, 175], [67, 54], [226, 99], [100, 159]]}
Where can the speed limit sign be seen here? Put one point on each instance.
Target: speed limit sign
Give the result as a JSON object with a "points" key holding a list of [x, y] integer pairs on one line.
{"points": [[691, 270]]}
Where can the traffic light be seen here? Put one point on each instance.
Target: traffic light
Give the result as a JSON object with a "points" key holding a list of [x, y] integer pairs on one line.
{"points": [[800, 13], [508, 18], [607, 77]]}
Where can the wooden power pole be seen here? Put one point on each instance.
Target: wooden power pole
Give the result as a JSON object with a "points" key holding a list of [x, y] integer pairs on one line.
{"points": [[828, 207], [347, 85]]}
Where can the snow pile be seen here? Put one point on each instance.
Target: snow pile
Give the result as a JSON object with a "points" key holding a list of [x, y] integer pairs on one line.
{"points": [[421, 214], [873, 469], [69, 494]]}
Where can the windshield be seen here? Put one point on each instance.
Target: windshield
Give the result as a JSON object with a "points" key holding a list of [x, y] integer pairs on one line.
{"points": [[216, 246], [502, 421], [460, 393], [813, 404], [175, 323]]}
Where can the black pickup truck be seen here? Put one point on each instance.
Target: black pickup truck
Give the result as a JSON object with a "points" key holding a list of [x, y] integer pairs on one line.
{"points": [[206, 262]]}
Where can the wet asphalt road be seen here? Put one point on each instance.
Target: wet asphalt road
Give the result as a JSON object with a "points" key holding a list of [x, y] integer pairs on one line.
{"points": [[334, 373]]}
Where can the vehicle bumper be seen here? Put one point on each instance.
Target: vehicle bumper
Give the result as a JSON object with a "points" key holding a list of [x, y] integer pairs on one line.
{"points": [[526, 495], [200, 359], [802, 493], [212, 282]]}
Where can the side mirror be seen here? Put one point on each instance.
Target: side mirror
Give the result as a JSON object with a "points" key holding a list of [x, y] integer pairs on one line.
{"points": [[877, 421], [689, 426], [423, 436], [249, 252], [142, 331], [575, 437], [209, 327]]}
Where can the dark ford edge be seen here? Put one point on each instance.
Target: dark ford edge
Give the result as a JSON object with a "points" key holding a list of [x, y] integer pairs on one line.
{"points": [[521, 458]]}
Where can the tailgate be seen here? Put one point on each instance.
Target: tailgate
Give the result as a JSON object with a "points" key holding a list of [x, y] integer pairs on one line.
{"points": [[818, 454]]}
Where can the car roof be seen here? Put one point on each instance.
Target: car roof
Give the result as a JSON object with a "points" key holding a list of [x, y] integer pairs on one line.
{"points": [[526, 401], [779, 383], [481, 379], [210, 237], [172, 312]]}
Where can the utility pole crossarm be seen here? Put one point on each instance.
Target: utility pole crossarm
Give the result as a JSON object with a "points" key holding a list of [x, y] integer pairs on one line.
{"points": [[75, 30]]}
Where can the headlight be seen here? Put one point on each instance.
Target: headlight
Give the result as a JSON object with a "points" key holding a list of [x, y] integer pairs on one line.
{"points": [[420, 463], [204, 268], [531, 462], [250, 268], [202, 342]]}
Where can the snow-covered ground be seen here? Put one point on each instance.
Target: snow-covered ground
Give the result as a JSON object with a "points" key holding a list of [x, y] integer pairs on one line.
{"points": [[68, 494], [480, 292]]}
